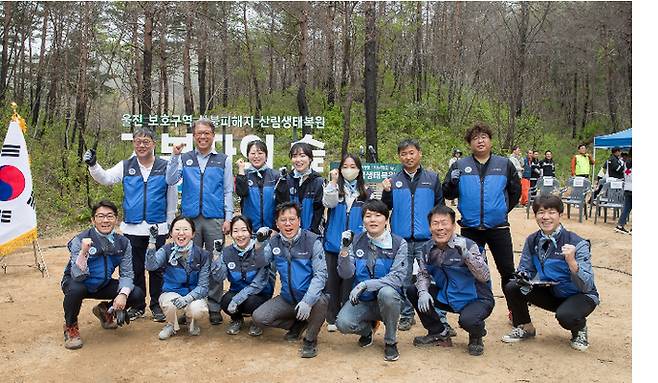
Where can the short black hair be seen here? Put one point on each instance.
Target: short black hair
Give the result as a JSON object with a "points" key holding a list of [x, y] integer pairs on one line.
{"points": [[104, 203], [304, 147], [548, 151], [441, 210], [203, 121], [144, 132], [477, 128], [181, 218], [583, 144], [407, 143], [548, 202], [376, 205], [258, 144], [280, 208], [616, 149], [244, 219]]}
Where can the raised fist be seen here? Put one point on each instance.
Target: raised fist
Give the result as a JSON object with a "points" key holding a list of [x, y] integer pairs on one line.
{"points": [[89, 157], [177, 149], [386, 184], [333, 176], [347, 237], [263, 234]]}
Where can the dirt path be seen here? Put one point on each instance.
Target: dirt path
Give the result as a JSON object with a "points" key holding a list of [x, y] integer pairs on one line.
{"points": [[31, 343]]}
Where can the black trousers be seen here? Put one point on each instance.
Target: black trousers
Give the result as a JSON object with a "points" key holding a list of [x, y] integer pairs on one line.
{"points": [[139, 244], [247, 307], [570, 312], [471, 317], [337, 288], [75, 292], [500, 244]]}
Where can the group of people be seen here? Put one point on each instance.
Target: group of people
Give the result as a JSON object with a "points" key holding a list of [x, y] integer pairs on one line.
{"points": [[373, 261], [530, 169]]}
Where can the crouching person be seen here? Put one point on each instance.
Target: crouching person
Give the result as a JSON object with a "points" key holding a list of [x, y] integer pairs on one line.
{"points": [[461, 284], [185, 277], [555, 274], [250, 276], [377, 260], [95, 254], [298, 257]]}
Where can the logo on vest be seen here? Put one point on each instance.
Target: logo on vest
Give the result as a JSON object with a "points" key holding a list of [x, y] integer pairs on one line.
{"points": [[276, 251], [92, 250], [468, 169], [189, 162], [250, 182], [131, 171], [398, 184], [359, 252], [231, 265], [293, 190]]}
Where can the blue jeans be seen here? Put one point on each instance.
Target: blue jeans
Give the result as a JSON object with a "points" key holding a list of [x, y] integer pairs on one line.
{"points": [[628, 205], [357, 319]]}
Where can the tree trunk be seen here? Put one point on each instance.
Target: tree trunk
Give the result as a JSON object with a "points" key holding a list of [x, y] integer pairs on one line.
{"points": [[347, 73], [147, 60], [187, 78], [202, 54], [270, 51], [81, 94], [137, 94], [252, 65], [8, 7], [417, 63], [370, 79], [224, 37], [36, 106], [585, 103], [574, 105], [330, 84], [302, 71]]}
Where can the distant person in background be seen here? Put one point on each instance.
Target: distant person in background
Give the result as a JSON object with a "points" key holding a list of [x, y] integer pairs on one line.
{"points": [[581, 162], [628, 197], [614, 165], [456, 154], [547, 165], [535, 169], [517, 160], [525, 180]]}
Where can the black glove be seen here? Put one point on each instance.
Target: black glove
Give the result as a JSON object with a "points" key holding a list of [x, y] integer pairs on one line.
{"points": [[122, 318], [522, 278], [263, 234], [346, 237], [90, 157], [284, 172], [218, 244], [153, 233]]}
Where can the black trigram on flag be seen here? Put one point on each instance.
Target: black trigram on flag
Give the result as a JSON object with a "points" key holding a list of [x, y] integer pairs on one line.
{"points": [[10, 150], [5, 216], [31, 200]]}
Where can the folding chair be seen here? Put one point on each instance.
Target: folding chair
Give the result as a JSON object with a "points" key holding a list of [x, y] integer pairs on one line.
{"points": [[610, 197], [544, 186], [579, 186]]}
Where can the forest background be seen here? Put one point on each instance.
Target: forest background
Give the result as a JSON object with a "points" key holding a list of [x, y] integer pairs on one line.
{"points": [[544, 75]]}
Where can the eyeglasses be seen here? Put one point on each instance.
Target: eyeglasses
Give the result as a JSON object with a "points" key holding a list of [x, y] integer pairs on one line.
{"points": [[203, 134], [287, 220], [108, 217], [143, 142]]}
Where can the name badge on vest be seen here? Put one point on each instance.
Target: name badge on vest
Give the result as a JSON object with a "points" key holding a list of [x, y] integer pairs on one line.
{"points": [[360, 253], [250, 182], [131, 171], [189, 162], [398, 184], [92, 250], [293, 190], [231, 265], [468, 169], [276, 251]]}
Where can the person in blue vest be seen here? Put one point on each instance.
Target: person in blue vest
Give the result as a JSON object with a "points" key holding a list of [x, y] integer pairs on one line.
{"points": [[555, 274], [453, 276], [377, 262], [488, 187], [207, 196], [411, 194], [303, 186], [343, 196], [298, 257], [250, 275], [255, 184], [186, 274], [147, 201], [95, 255]]}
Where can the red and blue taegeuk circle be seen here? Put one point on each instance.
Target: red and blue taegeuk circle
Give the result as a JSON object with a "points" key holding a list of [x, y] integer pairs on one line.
{"points": [[12, 182]]}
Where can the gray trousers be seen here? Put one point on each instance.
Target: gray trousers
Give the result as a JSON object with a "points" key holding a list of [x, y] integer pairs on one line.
{"points": [[207, 230], [278, 313], [357, 319]]}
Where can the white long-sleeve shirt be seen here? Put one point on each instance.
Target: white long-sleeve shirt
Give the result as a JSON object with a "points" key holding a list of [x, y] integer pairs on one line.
{"points": [[114, 175]]}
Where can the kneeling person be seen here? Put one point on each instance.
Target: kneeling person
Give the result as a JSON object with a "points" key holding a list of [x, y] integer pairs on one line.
{"points": [[461, 284], [299, 259], [377, 260], [554, 273], [95, 254], [185, 276]]}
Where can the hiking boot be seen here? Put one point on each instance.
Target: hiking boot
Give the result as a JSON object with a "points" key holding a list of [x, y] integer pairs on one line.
{"points": [[450, 331], [518, 334], [194, 328], [309, 348], [391, 353], [255, 330], [295, 331], [406, 323], [72, 340], [158, 315], [475, 345], [134, 313], [234, 327], [622, 230], [442, 340], [215, 318], [107, 320], [331, 327], [167, 332], [579, 339], [365, 340]]}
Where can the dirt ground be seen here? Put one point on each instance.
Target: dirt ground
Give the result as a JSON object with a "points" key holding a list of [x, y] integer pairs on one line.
{"points": [[31, 341]]}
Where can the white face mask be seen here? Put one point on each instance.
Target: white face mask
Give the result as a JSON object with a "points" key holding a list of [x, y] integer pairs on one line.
{"points": [[349, 174]]}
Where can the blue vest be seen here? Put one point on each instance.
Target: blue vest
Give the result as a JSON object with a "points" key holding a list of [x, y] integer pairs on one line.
{"points": [[372, 262], [104, 258], [183, 279], [457, 285], [203, 193], [409, 214], [144, 201], [258, 205], [555, 268], [483, 201], [312, 187], [339, 220], [243, 270], [294, 264]]}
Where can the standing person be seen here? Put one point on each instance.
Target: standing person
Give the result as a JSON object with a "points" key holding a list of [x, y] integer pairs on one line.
{"points": [[254, 184], [411, 194], [525, 181], [461, 284], [207, 196], [628, 197], [303, 186], [343, 196], [456, 154], [186, 274], [614, 165], [535, 169], [376, 260], [517, 161], [147, 200], [298, 257], [486, 185], [547, 165], [581, 162], [562, 260], [95, 254]]}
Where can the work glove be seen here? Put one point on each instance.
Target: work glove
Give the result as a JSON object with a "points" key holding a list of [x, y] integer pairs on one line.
{"points": [[347, 237], [218, 245], [182, 302], [90, 157], [232, 307], [303, 311], [454, 176], [460, 242], [425, 301], [122, 318], [356, 292], [263, 234], [153, 234]]}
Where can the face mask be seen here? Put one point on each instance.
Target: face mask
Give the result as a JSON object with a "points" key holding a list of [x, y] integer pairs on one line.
{"points": [[349, 174]]}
